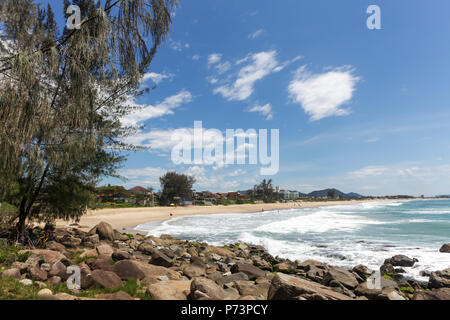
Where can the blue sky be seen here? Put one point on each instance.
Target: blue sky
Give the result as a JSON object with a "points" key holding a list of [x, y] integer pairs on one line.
{"points": [[360, 110]]}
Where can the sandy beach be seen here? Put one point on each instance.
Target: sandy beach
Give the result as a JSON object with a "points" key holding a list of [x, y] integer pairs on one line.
{"points": [[130, 217]]}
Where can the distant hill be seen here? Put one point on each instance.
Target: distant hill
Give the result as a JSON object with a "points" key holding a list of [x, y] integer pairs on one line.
{"points": [[336, 192]]}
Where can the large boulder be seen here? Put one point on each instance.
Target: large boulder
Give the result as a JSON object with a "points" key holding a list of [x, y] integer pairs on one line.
{"points": [[440, 294], [286, 287], [106, 279], [11, 273], [362, 271], [400, 261], [194, 270], [248, 288], [378, 289], [240, 276], [58, 269], [105, 251], [223, 252], [48, 256], [308, 264], [160, 259], [104, 230], [206, 288], [165, 291], [128, 269], [121, 255], [439, 279], [343, 276], [445, 248], [250, 270]]}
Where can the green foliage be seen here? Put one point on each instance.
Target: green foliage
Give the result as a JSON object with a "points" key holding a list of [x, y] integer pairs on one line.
{"points": [[12, 289], [75, 256], [264, 191], [176, 187], [63, 95], [407, 290], [10, 254]]}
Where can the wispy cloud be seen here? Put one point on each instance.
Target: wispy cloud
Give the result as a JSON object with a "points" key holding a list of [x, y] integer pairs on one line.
{"points": [[214, 58], [157, 77], [265, 110], [263, 64], [322, 95], [145, 112], [255, 34]]}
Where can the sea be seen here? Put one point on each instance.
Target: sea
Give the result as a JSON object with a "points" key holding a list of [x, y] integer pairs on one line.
{"points": [[343, 235]]}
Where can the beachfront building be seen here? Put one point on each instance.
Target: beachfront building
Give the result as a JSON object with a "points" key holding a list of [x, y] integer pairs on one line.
{"points": [[289, 195]]}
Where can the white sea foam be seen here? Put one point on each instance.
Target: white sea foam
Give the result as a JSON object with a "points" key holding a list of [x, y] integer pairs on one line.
{"points": [[344, 235]]}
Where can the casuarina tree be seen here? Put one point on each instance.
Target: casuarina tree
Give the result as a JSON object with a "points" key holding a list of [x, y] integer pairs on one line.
{"points": [[63, 94]]}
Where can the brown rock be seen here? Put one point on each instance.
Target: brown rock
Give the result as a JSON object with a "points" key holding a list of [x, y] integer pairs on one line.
{"points": [[240, 276], [37, 274], [121, 255], [343, 276], [104, 231], [306, 265], [11, 273], [250, 270], [400, 261], [146, 248], [285, 267], [223, 252], [127, 269], [362, 271], [377, 291], [105, 251], [194, 270], [160, 259], [445, 248], [439, 279], [165, 291], [49, 256], [439, 294], [99, 264], [208, 288], [106, 279], [59, 269], [286, 287]]}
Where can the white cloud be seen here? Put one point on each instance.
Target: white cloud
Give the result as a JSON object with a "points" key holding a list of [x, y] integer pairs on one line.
{"points": [[369, 171], [223, 67], [178, 45], [255, 34], [265, 110], [263, 64], [156, 77], [238, 172], [145, 112], [214, 58], [322, 95]]}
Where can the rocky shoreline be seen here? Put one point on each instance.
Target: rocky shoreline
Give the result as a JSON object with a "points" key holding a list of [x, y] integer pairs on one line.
{"points": [[165, 268]]}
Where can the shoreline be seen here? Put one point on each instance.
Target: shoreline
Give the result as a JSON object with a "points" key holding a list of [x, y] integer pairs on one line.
{"points": [[128, 218]]}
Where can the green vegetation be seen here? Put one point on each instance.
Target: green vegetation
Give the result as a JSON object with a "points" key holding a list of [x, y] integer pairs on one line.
{"points": [[175, 188], [63, 94], [75, 256], [12, 289], [407, 290], [10, 254]]}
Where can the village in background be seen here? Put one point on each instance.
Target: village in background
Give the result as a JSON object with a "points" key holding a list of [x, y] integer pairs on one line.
{"points": [[120, 197]]}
